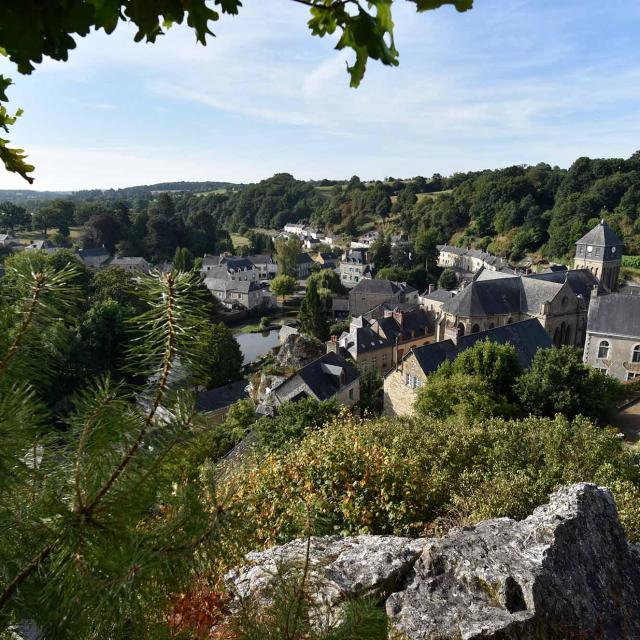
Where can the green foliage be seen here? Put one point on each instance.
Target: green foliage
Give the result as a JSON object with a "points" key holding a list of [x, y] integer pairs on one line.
{"points": [[447, 392], [182, 259], [283, 285], [558, 382], [12, 216], [424, 475], [223, 356], [287, 252], [313, 316], [292, 421], [448, 280], [99, 520], [497, 364], [329, 280], [371, 392]]}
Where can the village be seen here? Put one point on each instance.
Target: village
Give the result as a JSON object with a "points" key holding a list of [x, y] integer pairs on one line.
{"points": [[402, 334]]}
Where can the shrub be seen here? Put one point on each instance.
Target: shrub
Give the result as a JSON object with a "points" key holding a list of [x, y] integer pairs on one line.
{"points": [[420, 476]]}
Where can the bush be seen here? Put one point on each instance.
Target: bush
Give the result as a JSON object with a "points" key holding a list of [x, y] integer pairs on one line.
{"points": [[421, 476]]}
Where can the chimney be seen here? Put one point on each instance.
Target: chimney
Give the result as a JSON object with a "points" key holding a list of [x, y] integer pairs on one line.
{"points": [[595, 291], [332, 345], [398, 316], [431, 288]]}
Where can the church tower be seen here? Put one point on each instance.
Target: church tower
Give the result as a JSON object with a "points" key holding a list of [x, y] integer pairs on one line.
{"points": [[600, 251]]}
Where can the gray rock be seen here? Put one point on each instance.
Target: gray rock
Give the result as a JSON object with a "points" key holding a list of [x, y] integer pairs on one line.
{"points": [[298, 351], [565, 572]]}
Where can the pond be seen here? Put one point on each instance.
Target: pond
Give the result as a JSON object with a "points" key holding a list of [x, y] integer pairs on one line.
{"points": [[254, 345]]}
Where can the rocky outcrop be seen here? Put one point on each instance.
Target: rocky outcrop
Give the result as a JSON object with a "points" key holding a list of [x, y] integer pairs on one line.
{"points": [[565, 572], [298, 351]]}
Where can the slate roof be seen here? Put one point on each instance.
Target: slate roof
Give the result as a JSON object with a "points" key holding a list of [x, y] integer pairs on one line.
{"points": [[601, 235], [439, 295], [303, 258], [94, 257], [221, 284], [431, 356], [222, 397], [526, 336], [136, 261], [376, 286], [615, 314], [320, 377], [361, 338], [262, 258], [508, 295], [413, 321]]}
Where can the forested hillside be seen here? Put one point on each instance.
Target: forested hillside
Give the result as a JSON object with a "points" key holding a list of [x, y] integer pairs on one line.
{"points": [[511, 212]]}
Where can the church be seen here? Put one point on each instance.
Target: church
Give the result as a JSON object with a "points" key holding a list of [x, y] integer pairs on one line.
{"points": [[558, 299]]}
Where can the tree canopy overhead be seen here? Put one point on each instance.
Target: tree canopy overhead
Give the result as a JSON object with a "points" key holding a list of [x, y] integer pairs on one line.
{"points": [[31, 30]]}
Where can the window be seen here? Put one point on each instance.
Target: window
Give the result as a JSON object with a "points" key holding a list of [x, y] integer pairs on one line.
{"points": [[350, 394], [636, 354], [384, 361], [475, 328], [632, 375], [597, 251], [603, 349]]}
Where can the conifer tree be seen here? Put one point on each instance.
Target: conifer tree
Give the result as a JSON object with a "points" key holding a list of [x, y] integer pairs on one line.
{"points": [[313, 317], [100, 517]]}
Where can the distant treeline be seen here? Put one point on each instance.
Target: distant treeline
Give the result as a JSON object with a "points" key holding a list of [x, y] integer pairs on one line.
{"points": [[511, 212]]}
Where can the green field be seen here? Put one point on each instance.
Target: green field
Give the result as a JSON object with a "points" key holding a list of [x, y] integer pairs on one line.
{"points": [[29, 236]]}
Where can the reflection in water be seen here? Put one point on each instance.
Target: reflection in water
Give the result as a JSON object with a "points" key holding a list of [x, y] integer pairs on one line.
{"points": [[253, 345]]}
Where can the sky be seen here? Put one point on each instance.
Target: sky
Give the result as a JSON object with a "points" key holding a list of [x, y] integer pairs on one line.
{"points": [[510, 82]]}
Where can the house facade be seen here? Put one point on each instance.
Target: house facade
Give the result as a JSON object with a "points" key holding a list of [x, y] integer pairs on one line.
{"points": [[613, 336], [364, 346], [355, 267], [265, 264], [469, 260], [239, 294], [304, 266]]}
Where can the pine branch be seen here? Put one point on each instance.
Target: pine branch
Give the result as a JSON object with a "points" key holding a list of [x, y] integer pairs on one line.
{"points": [[39, 280]]}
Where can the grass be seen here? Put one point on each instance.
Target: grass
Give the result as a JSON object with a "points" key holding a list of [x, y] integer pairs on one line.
{"points": [[239, 241], [28, 236]]}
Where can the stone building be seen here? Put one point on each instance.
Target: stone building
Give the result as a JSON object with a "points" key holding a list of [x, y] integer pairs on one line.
{"points": [[401, 384], [131, 264], [600, 251], [559, 300], [405, 326], [266, 265], [355, 267], [327, 377], [613, 335], [369, 294], [364, 346], [469, 260], [433, 301], [229, 268], [233, 294]]}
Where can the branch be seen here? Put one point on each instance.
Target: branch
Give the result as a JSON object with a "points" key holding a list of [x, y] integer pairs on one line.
{"points": [[163, 383], [11, 588], [26, 323]]}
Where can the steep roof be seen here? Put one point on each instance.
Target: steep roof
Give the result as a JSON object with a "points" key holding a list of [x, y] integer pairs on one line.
{"points": [[527, 337], [356, 256], [262, 258], [374, 285], [222, 397], [322, 377], [126, 261], [581, 281], [303, 258], [439, 295], [615, 314], [431, 356], [601, 235], [486, 298], [416, 321], [221, 284]]}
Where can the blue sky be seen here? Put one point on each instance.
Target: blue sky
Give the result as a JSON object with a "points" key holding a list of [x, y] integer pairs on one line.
{"points": [[510, 82]]}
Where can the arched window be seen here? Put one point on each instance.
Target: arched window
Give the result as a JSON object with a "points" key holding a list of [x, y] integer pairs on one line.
{"points": [[460, 330], [475, 328], [603, 349], [556, 337], [492, 326], [636, 354]]}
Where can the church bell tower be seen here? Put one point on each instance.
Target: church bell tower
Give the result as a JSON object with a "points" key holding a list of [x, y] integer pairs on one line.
{"points": [[600, 251]]}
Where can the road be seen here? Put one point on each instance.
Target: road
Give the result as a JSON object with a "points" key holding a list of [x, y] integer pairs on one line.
{"points": [[628, 421]]}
